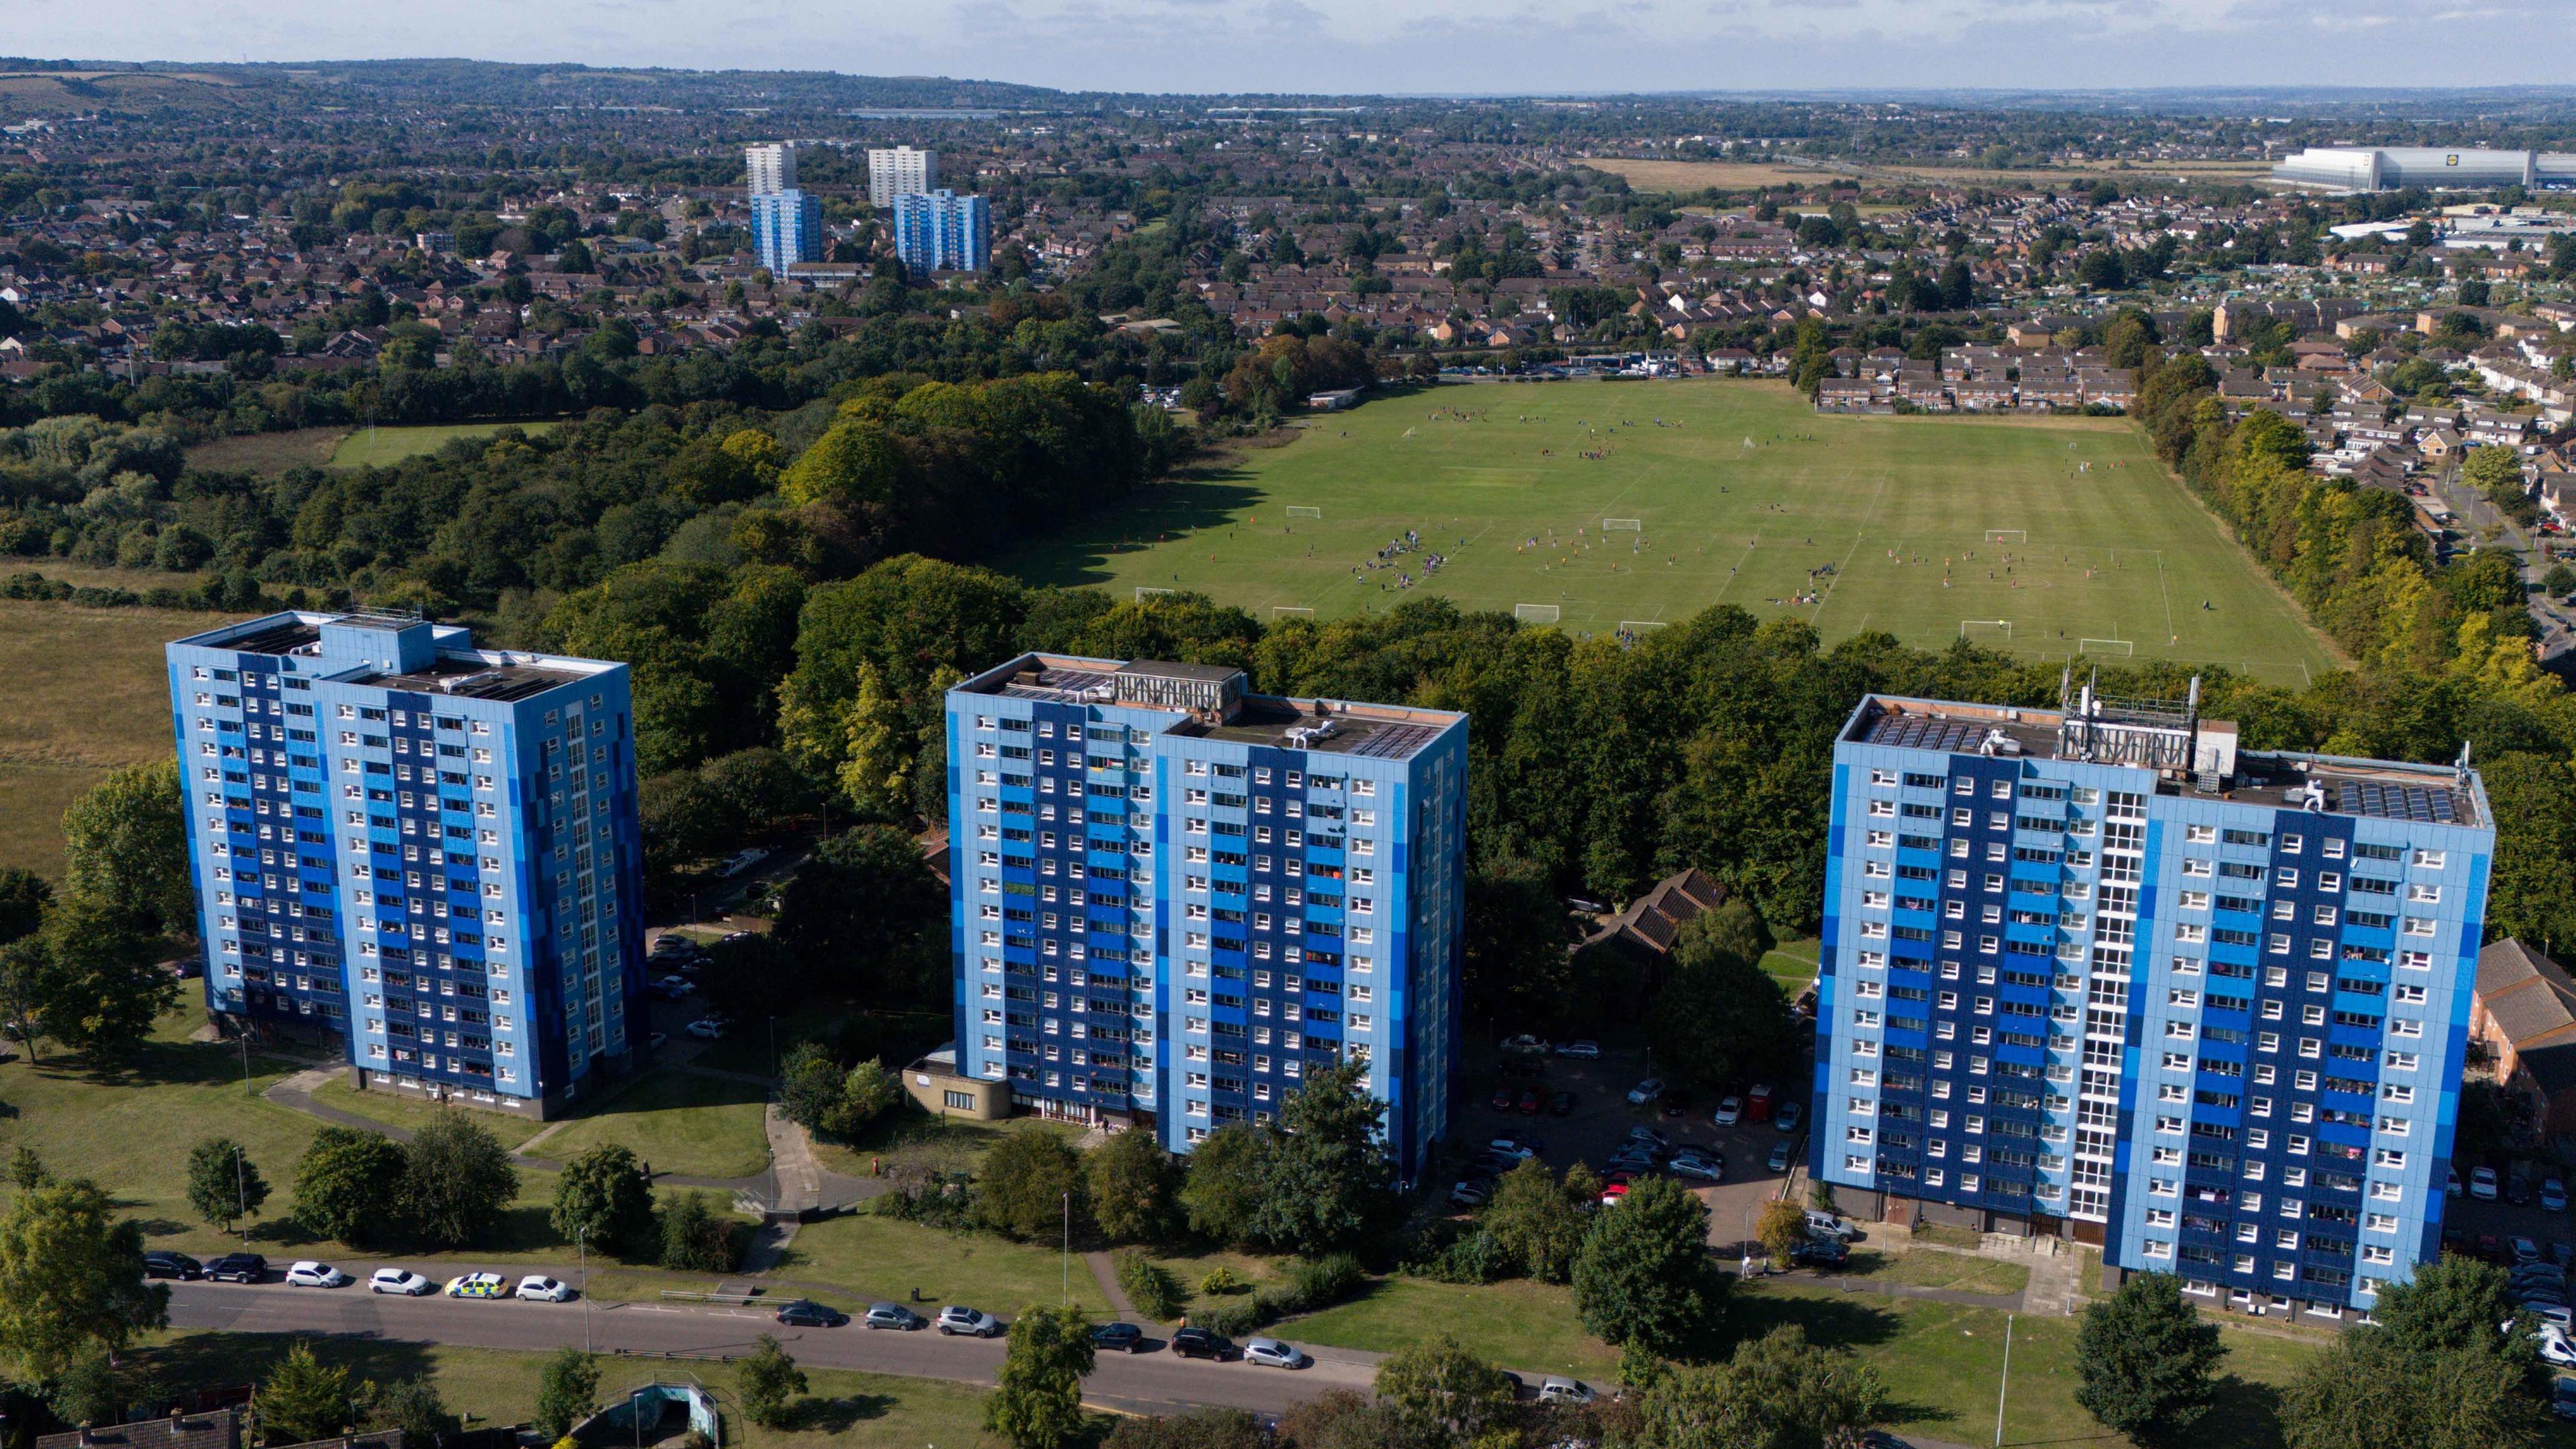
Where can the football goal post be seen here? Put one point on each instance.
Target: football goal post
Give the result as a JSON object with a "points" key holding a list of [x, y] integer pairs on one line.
{"points": [[1291, 611], [1299, 510], [2007, 535], [1623, 525], [1535, 613], [2122, 647], [1634, 625], [1145, 591], [1979, 628]]}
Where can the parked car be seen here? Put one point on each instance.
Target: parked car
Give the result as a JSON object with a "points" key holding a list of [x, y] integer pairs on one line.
{"points": [[1516, 1147], [1503, 1099], [1471, 1192], [1820, 1253], [973, 1322], [1778, 1161], [1612, 1191], [1645, 1091], [1588, 1050], [2482, 1183], [1123, 1337], [1644, 1133], [1531, 1100], [2524, 1250], [2553, 1195], [1757, 1102], [309, 1274], [1200, 1343], [238, 1268], [2554, 1315], [478, 1285], [891, 1315], [538, 1288], [1272, 1353], [1826, 1225], [2517, 1189], [1692, 1164], [2562, 1398], [401, 1281], [1791, 1114], [1525, 1043], [743, 860], [673, 988], [1555, 1390], [2451, 1183], [172, 1265], [2489, 1247], [806, 1313], [1730, 1110], [707, 1028], [1560, 1104]]}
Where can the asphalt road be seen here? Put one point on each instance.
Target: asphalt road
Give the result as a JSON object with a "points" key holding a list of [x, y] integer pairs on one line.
{"points": [[1154, 1382]]}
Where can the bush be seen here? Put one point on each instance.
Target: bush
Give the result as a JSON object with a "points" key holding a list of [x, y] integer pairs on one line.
{"points": [[1322, 1282], [695, 1239], [1220, 1280], [1470, 1257], [1237, 1317], [1148, 1285]]}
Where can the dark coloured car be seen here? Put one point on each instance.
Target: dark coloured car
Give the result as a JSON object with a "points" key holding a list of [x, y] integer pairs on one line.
{"points": [[238, 1268], [2490, 1247], [1199, 1343], [1503, 1098], [1530, 1101], [1118, 1337], [806, 1313], [1561, 1104], [1676, 1103], [172, 1265], [1820, 1253]]}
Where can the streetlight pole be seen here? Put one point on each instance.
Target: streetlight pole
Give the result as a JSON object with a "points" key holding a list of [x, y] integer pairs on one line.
{"points": [[1068, 1250], [2005, 1386], [581, 1247], [241, 1193]]}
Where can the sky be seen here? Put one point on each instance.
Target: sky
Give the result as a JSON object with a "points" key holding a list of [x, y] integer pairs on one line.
{"points": [[1384, 46]]}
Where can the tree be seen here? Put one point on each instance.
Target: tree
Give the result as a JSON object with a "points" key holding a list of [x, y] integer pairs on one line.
{"points": [[1777, 1392], [1134, 1187], [1445, 1393], [301, 1400], [567, 1391], [2433, 1373], [1209, 1428], [93, 976], [125, 842], [223, 1184], [89, 1390], [412, 1405], [1037, 1403], [457, 1181], [2145, 1360], [604, 1200], [861, 915], [1539, 1220], [23, 898], [71, 1275], [1645, 1275], [1780, 1229], [1026, 1182], [1518, 972], [694, 1239], [817, 1094], [1329, 1180], [1719, 1018], [1224, 1183], [768, 1379], [348, 1185]]}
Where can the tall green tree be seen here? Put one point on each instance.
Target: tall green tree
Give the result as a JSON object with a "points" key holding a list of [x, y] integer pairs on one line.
{"points": [[457, 1181], [71, 1276], [865, 915], [1719, 1018], [412, 1405], [1446, 1394], [348, 1186], [125, 843], [767, 1380], [2433, 1373], [224, 1185], [23, 898], [567, 1391], [2145, 1361], [603, 1200], [1029, 1182], [1134, 1187], [302, 1399], [1329, 1181], [1540, 1219], [1645, 1276], [93, 976], [1776, 1392], [1037, 1403], [1225, 1181]]}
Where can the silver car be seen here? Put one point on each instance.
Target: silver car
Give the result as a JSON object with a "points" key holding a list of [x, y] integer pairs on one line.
{"points": [[890, 1315], [1272, 1353], [973, 1322]]}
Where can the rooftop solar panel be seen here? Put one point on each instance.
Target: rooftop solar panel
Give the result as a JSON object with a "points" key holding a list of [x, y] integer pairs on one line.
{"points": [[1394, 742], [1915, 732], [2397, 802]]}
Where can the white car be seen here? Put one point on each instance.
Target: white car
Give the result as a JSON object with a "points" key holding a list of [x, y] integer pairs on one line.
{"points": [[309, 1274], [744, 861], [400, 1280], [1645, 1091], [973, 1322], [539, 1288], [1730, 1110], [707, 1028], [1274, 1354], [2482, 1184], [2555, 1350], [1585, 1049], [1555, 1390]]}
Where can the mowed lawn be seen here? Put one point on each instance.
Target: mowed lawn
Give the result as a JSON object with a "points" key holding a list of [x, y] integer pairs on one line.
{"points": [[1741, 494], [88, 693], [380, 447]]}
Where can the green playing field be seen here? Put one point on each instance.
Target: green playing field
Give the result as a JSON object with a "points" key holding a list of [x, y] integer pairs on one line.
{"points": [[1606, 505]]}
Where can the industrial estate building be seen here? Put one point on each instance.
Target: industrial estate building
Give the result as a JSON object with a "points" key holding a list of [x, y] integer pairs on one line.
{"points": [[2352, 168], [426, 850], [1171, 899], [2096, 971]]}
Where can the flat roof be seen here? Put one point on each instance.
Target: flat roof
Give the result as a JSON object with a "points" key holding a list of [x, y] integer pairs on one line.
{"points": [[474, 676], [1372, 732], [1165, 669]]}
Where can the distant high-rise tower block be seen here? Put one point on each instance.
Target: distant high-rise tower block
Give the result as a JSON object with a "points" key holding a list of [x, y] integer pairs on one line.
{"points": [[941, 232], [901, 171], [772, 168], [786, 228]]}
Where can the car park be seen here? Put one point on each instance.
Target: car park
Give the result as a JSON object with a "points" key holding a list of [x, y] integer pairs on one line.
{"points": [[1585, 1050], [1730, 1110], [1556, 1390], [957, 1318], [1791, 1114], [538, 1288], [310, 1274], [172, 1265], [402, 1282], [1820, 1253], [1778, 1161], [1643, 1133], [238, 1268], [707, 1028], [806, 1313], [478, 1285], [2482, 1183], [1120, 1336], [1200, 1343], [1272, 1353], [1530, 1102], [1645, 1091], [891, 1315], [1525, 1043], [2524, 1250]]}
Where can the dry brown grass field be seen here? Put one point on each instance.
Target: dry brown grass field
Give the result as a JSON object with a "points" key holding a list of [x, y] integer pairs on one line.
{"points": [[268, 452], [1680, 176]]}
